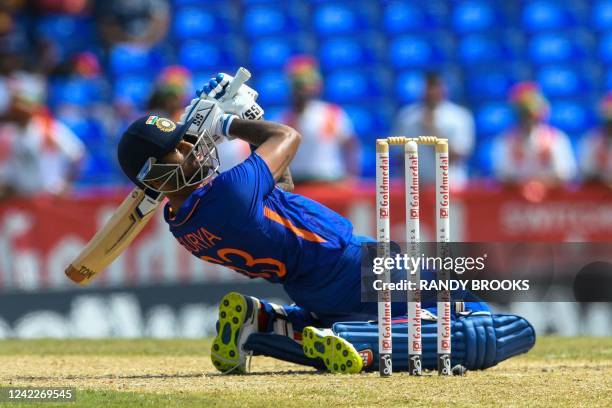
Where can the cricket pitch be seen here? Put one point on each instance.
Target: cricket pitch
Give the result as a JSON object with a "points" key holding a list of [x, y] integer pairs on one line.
{"points": [[557, 372]]}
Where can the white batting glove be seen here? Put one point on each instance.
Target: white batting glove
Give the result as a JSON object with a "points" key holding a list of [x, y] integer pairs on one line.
{"points": [[206, 115], [243, 104]]}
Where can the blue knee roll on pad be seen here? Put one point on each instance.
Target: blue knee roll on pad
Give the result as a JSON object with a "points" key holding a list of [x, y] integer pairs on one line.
{"points": [[479, 340], [280, 347]]}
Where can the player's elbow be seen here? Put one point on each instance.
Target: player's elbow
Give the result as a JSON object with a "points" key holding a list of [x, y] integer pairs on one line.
{"points": [[292, 136], [296, 137]]}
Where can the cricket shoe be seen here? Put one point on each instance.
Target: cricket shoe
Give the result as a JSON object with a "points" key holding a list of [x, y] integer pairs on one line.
{"points": [[237, 320], [338, 354]]}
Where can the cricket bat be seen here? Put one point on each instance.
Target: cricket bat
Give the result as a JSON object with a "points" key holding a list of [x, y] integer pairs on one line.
{"points": [[126, 222], [108, 243]]}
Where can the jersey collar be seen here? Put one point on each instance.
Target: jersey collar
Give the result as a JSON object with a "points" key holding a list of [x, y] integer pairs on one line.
{"points": [[184, 213]]}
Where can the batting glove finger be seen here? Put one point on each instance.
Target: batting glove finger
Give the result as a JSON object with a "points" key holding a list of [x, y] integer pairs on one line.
{"points": [[223, 81], [214, 88], [201, 93], [217, 86]]}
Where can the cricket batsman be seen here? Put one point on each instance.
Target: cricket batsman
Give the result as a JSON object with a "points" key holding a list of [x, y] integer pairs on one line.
{"points": [[247, 219]]}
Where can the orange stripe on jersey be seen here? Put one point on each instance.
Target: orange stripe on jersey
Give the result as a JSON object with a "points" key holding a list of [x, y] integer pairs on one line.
{"points": [[302, 233]]}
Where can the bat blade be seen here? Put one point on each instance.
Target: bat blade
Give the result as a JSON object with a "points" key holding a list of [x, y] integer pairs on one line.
{"points": [[109, 242]]}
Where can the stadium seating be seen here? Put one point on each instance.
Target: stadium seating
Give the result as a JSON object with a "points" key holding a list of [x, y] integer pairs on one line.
{"points": [[414, 52], [369, 51], [98, 169], [370, 120], [488, 85], [197, 22], [339, 18], [562, 81], [474, 16], [409, 86], [272, 87], [607, 81], [363, 119], [133, 89], [407, 17], [481, 162], [75, 91], [479, 50], [602, 15], [572, 116], [267, 20], [546, 15], [68, 34], [493, 118], [345, 52], [200, 56], [131, 59], [552, 47], [348, 86], [179, 3], [271, 53], [605, 48]]}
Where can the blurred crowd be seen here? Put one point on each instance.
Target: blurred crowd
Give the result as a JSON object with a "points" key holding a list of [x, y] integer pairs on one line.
{"points": [[63, 106]]}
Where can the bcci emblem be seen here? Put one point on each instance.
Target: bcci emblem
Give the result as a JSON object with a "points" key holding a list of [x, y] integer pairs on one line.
{"points": [[165, 125]]}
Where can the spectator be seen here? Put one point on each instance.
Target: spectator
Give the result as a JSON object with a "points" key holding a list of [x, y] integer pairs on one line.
{"points": [[329, 150], [172, 92], [37, 153], [435, 115], [596, 147], [84, 92], [143, 22], [14, 48], [532, 151]]}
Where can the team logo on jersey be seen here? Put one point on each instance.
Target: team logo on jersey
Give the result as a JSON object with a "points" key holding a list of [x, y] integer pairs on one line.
{"points": [[165, 125]]}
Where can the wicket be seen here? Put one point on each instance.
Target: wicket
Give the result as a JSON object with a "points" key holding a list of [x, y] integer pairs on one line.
{"points": [[411, 183]]}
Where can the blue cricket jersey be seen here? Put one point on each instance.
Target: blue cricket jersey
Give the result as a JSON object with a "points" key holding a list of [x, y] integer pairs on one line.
{"points": [[242, 221]]}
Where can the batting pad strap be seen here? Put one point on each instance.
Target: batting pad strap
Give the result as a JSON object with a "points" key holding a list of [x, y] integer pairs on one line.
{"points": [[281, 348], [479, 340]]}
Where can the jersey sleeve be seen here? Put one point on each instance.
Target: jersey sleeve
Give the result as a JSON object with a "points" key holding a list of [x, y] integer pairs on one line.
{"points": [[245, 186]]}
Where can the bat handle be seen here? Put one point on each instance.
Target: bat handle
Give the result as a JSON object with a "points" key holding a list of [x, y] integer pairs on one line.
{"points": [[241, 76]]}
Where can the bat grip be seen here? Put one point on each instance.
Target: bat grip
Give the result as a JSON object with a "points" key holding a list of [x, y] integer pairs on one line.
{"points": [[242, 75]]}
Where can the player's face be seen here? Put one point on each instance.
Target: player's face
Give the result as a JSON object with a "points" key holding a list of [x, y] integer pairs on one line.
{"points": [[191, 163], [180, 155]]}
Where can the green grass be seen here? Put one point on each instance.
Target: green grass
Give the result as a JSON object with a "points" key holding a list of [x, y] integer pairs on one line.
{"points": [[111, 347], [108, 373], [93, 398]]}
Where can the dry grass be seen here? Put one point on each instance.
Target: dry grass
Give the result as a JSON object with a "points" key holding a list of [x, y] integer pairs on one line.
{"points": [[558, 372]]}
